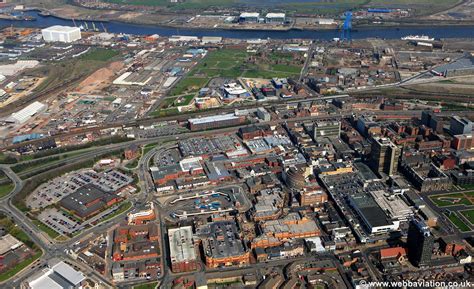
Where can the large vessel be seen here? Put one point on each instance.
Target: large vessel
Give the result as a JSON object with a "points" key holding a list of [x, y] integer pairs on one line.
{"points": [[418, 38]]}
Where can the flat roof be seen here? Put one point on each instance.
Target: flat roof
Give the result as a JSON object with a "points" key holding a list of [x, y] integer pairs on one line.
{"points": [[7, 243], [276, 15], [60, 28], [181, 244], [212, 118], [67, 272], [250, 14]]}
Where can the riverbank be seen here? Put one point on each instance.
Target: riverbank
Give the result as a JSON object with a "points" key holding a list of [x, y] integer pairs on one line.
{"points": [[360, 32]]}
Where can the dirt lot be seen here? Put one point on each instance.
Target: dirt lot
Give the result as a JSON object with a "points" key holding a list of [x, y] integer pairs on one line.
{"points": [[99, 79]]}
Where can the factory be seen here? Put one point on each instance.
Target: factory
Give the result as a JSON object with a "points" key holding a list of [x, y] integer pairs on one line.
{"points": [[60, 275], [59, 33]]}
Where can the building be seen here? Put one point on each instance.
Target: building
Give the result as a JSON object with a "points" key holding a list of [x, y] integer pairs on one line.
{"points": [[137, 242], [88, 201], [222, 245], [26, 113], [215, 121], [8, 243], [249, 17], [384, 156], [425, 176], [142, 217], [59, 33], [326, 129], [182, 251], [420, 243], [263, 114], [373, 217], [460, 125], [429, 119], [59, 276], [276, 18], [463, 142], [312, 197]]}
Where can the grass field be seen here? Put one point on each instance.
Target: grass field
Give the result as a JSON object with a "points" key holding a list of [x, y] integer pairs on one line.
{"points": [[446, 200], [51, 233], [6, 188], [469, 215], [458, 222], [151, 285]]}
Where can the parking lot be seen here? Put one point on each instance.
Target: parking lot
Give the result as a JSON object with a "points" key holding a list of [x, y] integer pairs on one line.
{"points": [[59, 221], [203, 146], [53, 191]]}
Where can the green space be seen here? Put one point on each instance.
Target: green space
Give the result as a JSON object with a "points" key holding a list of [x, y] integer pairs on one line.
{"points": [[124, 206], [133, 163], [189, 85], [100, 54], [450, 200], [164, 112], [18, 267], [458, 222], [184, 100], [5, 189], [469, 215], [149, 147], [51, 233], [151, 285]]}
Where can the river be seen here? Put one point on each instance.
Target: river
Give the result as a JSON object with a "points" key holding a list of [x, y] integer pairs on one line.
{"points": [[362, 33]]}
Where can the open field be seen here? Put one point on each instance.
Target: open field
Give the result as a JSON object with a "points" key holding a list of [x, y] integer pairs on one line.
{"points": [[6, 188], [446, 200], [469, 215], [151, 285], [458, 222]]}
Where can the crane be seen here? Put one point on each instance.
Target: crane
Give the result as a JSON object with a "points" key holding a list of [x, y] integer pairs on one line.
{"points": [[347, 27]]}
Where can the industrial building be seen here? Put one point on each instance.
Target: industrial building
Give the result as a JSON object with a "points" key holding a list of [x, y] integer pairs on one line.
{"points": [[215, 121], [182, 251], [26, 113], [249, 17], [60, 33], [278, 18]]}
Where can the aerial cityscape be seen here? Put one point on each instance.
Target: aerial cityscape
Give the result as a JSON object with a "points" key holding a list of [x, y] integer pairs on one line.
{"points": [[201, 144]]}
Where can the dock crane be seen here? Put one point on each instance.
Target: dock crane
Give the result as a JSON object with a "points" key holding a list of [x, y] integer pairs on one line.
{"points": [[103, 27], [347, 27]]}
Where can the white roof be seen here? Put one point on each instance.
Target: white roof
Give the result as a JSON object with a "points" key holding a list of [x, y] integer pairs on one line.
{"points": [[44, 282], [249, 14], [181, 244], [212, 118], [275, 15], [59, 28], [27, 112], [7, 243], [67, 272]]}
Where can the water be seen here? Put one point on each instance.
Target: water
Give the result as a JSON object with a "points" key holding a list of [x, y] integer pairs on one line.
{"points": [[372, 32]]}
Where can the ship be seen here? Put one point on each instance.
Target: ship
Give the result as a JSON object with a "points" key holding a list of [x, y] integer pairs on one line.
{"points": [[418, 38]]}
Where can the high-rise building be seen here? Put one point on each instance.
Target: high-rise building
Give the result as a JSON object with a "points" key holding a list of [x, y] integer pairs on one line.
{"points": [[460, 125], [420, 243], [326, 129], [384, 156], [429, 119]]}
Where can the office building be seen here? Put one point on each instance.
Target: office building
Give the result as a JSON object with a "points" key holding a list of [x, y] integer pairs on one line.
{"points": [[460, 125], [326, 130], [384, 156], [420, 243]]}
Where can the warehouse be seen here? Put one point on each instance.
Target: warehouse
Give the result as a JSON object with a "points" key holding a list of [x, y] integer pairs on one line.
{"points": [[59, 33], [215, 121], [60, 275], [275, 18], [249, 17], [26, 113]]}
